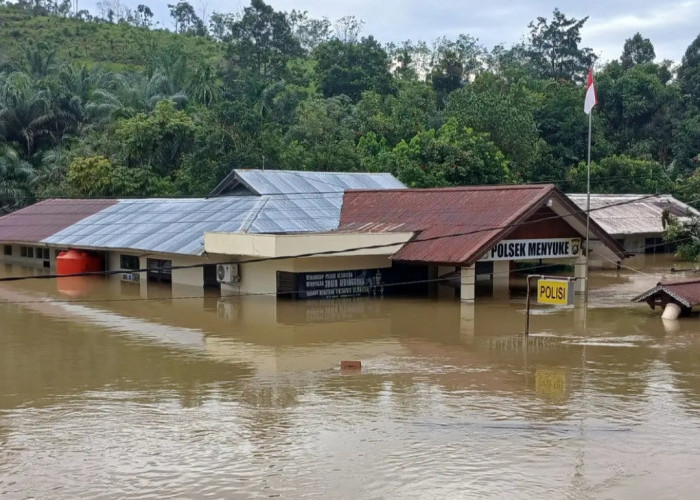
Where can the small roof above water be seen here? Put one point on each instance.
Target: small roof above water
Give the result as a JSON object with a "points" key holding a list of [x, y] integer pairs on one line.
{"points": [[622, 214], [684, 292]]}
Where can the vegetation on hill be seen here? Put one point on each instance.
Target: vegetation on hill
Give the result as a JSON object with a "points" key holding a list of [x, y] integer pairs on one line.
{"points": [[112, 105]]}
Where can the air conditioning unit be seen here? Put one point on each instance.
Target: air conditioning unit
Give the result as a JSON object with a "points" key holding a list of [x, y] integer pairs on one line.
{"points": [[227, 273], [134, 277]]}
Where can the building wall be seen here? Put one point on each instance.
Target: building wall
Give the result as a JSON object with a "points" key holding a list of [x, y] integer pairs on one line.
{"points": [[261, 277], [38, 262]]}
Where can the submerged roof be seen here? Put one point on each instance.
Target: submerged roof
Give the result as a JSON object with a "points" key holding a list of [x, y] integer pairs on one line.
{"points": [[262, 182], [38, 221], [632, 213], [455, 225], [685, 292], [178, 225], [473, 214]]}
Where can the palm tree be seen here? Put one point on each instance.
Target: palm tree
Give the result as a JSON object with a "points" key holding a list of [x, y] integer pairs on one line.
{"points": [[16, 176]]}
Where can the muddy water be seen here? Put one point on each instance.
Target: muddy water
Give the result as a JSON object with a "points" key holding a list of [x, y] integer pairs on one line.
{"points": [[116, 396]]}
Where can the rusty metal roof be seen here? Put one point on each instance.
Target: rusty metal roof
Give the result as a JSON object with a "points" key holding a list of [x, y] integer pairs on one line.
{"points": [[476, 215], [621, 214], [686, 292], [41, 220]]}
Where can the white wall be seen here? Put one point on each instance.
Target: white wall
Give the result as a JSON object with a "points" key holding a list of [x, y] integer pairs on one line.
{"points": [[261, 277]]}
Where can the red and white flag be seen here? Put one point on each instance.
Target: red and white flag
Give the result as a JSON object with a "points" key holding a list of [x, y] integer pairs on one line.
{"points": [[591, 99]]}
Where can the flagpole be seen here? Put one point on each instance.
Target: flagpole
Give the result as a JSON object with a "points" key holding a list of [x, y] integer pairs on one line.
{"points": [[588, 198]]}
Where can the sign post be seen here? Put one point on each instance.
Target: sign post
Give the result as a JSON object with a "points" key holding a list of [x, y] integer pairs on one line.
{"points": [[556, 290]]}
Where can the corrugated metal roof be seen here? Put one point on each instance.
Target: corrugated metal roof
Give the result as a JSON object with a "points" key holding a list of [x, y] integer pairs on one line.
{"points": [[178, 225], [34, 223], [685, 292], [277, 182], [632, 213], [479, 211]]}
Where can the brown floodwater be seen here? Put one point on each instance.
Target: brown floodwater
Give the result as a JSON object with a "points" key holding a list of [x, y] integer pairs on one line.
{"points": [[106, 395]]}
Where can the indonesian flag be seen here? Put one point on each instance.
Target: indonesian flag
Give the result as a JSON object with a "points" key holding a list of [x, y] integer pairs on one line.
{"points": [[591, 99]]}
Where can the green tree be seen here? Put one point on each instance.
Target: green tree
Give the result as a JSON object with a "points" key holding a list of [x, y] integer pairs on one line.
{"points": [[16, 176], [157, 140], [553, 48], [261, 42], [686, 235], [96, 176], [637, 50], [689, 73], [504, 111], [621, 174], [451, 156], [352, 68], [454, 62], [322, 137], [186, 20]]}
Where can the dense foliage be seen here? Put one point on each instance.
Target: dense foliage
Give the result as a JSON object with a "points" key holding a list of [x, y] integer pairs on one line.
{"points": [[110, 104]]}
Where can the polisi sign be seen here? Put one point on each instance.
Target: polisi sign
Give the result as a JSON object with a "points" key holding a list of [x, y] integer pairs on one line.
{"points": [[554, 291], [550, 248]]}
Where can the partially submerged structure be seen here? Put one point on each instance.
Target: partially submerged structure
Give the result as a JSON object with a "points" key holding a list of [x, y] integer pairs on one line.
{"points": [[636, 221], [479, 229], [675, 298], [315, 235]]}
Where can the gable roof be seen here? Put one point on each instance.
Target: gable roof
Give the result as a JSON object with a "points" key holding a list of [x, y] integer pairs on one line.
{"points": [[622, 214], [455, 225], [38, 221], [269, 182], [686, 292]]}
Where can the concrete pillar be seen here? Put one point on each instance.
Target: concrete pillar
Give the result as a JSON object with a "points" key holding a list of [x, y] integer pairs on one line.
{"points": [[467, 280], [466, 321], [581, 272], [501, 279], [580, 313]]}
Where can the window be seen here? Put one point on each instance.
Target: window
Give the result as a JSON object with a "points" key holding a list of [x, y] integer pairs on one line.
{"points": [[38, 253], [46, 253], [159, 270], [128, 262], [8, 250], [22, 251], [30, 252]]}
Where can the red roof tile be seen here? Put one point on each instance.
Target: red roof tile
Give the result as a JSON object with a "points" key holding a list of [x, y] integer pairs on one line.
{"points": [[686, 292], [36, 222], [455, 225], [476, 215]]}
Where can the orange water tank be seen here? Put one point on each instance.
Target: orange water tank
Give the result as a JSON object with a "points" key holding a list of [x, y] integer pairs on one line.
{"points": [[77, 261]]}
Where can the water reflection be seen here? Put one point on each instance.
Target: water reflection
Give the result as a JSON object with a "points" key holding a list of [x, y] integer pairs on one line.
{"points": [[243, 396]]}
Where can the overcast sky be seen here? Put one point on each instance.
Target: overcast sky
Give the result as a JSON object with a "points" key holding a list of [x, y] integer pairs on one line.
{"points": [[671, 25]]}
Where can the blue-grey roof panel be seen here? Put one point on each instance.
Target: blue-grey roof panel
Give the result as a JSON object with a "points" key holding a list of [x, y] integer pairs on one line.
{"points": [[300, 182], [178, 226]]}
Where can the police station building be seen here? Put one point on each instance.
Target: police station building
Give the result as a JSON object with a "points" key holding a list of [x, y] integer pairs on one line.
{"points": [[465, 236]]}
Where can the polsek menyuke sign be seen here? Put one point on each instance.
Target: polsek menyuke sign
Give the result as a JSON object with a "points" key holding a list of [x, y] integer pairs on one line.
{"points": [[549, 248]]}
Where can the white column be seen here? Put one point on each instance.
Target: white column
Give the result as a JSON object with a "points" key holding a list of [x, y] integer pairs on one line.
{"points": [[466, 321], [501, 278], [467, 280]]}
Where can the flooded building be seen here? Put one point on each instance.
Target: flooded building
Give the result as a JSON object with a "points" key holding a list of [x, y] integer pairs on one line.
{"points": [[480, 231], [166, 236], [636, 220], [316, 235]]}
